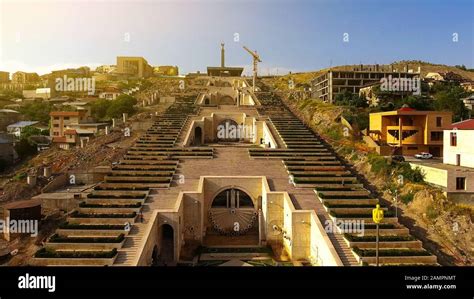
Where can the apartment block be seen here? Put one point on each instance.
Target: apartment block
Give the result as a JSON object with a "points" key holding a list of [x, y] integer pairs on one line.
{"points": [[25, 78], [338, 80]]}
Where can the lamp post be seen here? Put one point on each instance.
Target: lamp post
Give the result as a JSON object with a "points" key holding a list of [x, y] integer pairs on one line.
{"points": [[377, 217]]}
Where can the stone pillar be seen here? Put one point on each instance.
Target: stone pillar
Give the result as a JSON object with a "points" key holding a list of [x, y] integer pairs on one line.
{"points": [[106, 130], [47, 171], [113, 123], [31, 180], [125, 117]]}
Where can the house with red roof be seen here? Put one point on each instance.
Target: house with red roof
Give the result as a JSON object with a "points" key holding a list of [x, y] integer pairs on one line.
{"points": [[408, 131]]}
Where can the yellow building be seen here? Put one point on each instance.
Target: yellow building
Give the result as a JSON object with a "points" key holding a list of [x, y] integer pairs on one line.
{"points": [[166, 70], [134, 66], [407, 131], [4, 77]]}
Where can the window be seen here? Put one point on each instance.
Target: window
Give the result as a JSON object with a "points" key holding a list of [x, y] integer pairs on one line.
{"points": [[56, 125], [453, 138], [460, 183], [66, 118], [436, 136], [439, 121]]}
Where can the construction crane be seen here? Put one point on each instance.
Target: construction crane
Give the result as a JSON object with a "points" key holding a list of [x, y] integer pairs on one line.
{"points": [[256, 60]]}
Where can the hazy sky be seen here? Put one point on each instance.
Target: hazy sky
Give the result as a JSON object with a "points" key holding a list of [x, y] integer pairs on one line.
{"points": [[289, 35]]}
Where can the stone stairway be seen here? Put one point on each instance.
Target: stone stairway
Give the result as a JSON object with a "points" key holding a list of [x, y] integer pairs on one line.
{"points": [[311, 163]]}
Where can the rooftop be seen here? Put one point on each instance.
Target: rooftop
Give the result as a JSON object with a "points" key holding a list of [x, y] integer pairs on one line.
{"points": [[464, 125], [65, 113], [22, 124]]}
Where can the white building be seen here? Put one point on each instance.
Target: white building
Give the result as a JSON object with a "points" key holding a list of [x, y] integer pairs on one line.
{"points": [[459, 144], [456, 174]]}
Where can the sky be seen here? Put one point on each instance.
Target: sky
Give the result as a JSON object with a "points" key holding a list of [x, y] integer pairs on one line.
{"points": [[289, 35]]}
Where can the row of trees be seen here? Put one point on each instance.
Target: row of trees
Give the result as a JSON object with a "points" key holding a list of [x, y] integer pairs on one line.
{"points": [[445, 96], [106, 110]]}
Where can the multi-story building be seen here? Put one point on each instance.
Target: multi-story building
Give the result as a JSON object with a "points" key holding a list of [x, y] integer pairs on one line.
{"points": [[69, 128], [338, 80], [60, 120], [134, 67], [456, 174], [407, 131], [25, 78], [4, 77]]}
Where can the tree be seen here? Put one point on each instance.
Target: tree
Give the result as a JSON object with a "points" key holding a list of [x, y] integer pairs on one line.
{"points": [[99, 108], [347, 98], [37, 110], [24, 148], [123, 104], [29, 131], [451, 100]]}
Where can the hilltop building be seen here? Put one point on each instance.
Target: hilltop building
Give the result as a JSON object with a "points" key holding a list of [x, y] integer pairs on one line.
{"points": [[338, 80], [136, 67]]}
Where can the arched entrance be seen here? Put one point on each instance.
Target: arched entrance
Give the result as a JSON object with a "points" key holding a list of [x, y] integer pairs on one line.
{"points": [[226, 100], [206, 101], [167, 245], [233, 212], [228, 131], [197, 136]]}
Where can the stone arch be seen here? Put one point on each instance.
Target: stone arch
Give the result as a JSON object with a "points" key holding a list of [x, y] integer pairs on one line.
{"points": [[197, 136], [167, 236], [233, 212], [228, 131], [226, 100]]}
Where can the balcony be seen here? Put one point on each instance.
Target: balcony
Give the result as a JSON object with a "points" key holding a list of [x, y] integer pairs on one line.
{"points": [[410, 135]]}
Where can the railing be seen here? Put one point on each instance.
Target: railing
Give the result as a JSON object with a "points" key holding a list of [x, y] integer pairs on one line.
{"points": [[409, 134]]}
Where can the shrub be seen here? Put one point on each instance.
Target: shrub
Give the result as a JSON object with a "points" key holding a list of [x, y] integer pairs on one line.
{"points": [[353, 238], [391, 252], [67, 225], [61, 239], [414, 175], [407, 198], [50, 253], [431, 212], [125, 215], [378, 164]]}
